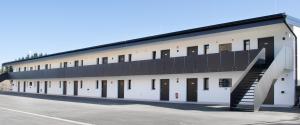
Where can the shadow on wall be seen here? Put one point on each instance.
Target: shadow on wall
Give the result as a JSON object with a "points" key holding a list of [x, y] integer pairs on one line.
{"points": [[179, 106]]}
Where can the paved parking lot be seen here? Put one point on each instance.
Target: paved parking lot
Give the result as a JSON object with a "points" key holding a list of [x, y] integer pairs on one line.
{"points": [[15, 110]]}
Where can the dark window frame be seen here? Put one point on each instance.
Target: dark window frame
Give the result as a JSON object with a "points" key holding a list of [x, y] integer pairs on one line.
{"points": [[97, 84], [76, 63], [164, 52], [81, 84], [98, 61], [225, 82], [129, 57], [153, 55], [153, 84], [205, 83], [129, 84], [205, 49], [246, 48]]}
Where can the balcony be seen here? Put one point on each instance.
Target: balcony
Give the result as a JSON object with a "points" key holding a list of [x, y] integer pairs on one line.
{"points": [[218, 62]]}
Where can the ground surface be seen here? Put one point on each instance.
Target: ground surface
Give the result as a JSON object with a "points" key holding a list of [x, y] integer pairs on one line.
{"points": [[16, 110]]}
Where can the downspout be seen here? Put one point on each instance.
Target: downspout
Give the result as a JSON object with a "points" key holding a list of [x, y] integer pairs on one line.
{"points": [[296, 60]]}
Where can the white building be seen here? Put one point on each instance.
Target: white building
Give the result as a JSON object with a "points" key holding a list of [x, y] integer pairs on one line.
{"points": [[247, 62]]}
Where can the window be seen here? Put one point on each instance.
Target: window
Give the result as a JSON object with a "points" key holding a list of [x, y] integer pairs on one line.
{"points": [[31, 68], [129, 57], [225, 82], [19, 69], [165, 54], [76, 63], [192, 51], [205, 84], [129, 84], [246, 45], [121, 58], [59, 84], [98, 61], [49, 66], [38, 67], [225, 47], [30, 83], [154, 55], [206, 47], [153, 84], [49, 84], [46, 66], [104, 60], [97, 84], [60, 65], [65, 64], [81, 62], [81, 84], [24, 68]]}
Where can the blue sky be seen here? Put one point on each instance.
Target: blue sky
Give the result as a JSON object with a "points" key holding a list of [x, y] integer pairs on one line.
{"points": [[50, 26]]}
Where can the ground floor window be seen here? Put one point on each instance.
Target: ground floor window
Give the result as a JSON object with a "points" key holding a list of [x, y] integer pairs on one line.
{"points": [[225, 82], [205, 84]]}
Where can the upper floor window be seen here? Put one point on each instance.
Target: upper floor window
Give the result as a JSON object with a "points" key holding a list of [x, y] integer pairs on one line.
{"points": [[65, 64], [206, 48], [46, 66], [121, 58], [192, 51], [129, 57], [97, 61], [104, 60], [165, 54], [246, 45], [225, 47], [153, 55], [76, 63]]}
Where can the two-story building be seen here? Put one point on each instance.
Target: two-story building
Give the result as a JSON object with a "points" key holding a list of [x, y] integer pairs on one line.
{"points": [[250, 62]]}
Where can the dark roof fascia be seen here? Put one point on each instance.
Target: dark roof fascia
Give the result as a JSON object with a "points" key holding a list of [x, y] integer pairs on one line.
{"points": [[236, 25]]}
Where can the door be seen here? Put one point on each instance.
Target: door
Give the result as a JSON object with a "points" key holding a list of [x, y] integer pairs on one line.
{"points": [[268, 44], [120, 88], [192, 87], [164, 89], [18, 86], [46, 87], [65, 88], [75, 88], [103, 88], [38, 87], [24, 87], [165, 54]]}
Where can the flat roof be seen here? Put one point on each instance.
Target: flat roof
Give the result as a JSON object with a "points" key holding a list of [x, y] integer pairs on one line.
{"points": [[235, 25]]}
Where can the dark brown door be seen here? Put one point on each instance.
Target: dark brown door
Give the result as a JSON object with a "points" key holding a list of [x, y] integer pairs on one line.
{"points": [[18, 86], [165, 54], [120, 88], [65, 88], [103, 88], [46, 87], [192, 87], [38, 87], [164, 89], [192, 51], [24, 87], [268, 44], [75, 88]]}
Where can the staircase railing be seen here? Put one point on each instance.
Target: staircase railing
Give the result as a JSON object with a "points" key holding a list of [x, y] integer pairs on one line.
{"points": [[283, 62], [260, 55]]}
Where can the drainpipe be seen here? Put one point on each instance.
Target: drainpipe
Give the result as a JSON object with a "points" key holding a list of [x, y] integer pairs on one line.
{"points": [[296, 60]]}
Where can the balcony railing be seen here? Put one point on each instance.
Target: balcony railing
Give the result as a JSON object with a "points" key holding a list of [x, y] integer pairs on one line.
{"points": [[218, 62]]}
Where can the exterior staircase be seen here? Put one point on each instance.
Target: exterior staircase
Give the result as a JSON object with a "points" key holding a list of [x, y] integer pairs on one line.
{"points": [[242, 98]]}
